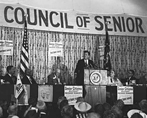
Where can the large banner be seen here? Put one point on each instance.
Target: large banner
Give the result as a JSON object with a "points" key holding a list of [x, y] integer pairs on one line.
{"points": [[125, 93], [12, 15]]}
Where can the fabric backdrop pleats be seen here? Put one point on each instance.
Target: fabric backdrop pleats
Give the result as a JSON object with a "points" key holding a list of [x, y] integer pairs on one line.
{"points": [[127, 52]]}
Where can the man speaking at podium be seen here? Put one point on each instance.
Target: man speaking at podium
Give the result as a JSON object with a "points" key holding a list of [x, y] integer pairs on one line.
{"points": [[82, 64]]}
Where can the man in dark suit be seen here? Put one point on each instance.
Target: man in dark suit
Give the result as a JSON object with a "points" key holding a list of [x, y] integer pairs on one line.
{"points": [[81, 65], [130, 80], [28, 77], [10, 77]]}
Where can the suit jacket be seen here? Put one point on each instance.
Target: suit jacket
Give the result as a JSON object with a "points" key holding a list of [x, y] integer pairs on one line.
{"points": [[52, 81], [25, 80], [81, 65], [11, 80]]}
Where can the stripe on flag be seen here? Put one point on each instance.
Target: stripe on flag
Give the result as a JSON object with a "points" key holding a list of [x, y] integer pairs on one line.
{"points": [[24, 58]]}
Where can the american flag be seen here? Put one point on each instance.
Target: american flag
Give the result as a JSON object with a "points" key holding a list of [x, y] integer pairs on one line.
{"points": [[107, 61], [24, 58]]}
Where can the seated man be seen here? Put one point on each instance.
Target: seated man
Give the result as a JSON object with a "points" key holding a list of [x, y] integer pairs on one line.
{"points": [[28, 77], [10, 77], [55, 78], [130, 80]]}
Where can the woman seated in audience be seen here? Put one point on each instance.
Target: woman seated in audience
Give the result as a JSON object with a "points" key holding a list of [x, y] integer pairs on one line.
{"points": [[113, 80]]}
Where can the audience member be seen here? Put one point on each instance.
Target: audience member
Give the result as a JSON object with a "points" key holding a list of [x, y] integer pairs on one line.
{"points": [[136, 115], [119, 103], [143, 106], [63, 103], [67, 112], [106, 106], [99, 109], [80, 99], [12, 111], [32, 105], [33, 114], [117, 111], [60, 99], [82, 108], [93, 115], [109, 114], [42, 109]]}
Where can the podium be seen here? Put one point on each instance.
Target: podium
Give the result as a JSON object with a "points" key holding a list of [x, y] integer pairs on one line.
{"points": [[95, 77], [95, 85]]}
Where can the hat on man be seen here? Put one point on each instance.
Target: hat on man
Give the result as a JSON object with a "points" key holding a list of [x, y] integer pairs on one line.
{"points": [[82, 106], [132, 111]]}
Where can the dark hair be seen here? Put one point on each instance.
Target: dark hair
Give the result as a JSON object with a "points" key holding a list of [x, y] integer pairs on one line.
{"points": [[67, 111], [119, 103], [106, 106], [98, 108], [63, 103], [32, 101], [9, 68], [86, 51]]}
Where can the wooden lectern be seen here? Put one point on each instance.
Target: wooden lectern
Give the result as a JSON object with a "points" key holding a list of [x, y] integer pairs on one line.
{"points": [[95, 81]]}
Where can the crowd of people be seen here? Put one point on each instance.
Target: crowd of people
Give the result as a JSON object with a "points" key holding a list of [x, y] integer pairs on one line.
{"points": [[81, 109]]}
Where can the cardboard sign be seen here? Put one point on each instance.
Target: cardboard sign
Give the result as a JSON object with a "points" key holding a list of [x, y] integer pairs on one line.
{"points": [[126, 94], [72, 93], [6, 47]]}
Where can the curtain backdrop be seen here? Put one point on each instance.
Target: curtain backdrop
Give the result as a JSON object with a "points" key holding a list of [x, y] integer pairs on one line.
{"points": [[126, 52]]}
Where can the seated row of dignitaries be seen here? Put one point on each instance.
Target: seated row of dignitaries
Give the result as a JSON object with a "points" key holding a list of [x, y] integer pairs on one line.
{"points": [[10, 76]]}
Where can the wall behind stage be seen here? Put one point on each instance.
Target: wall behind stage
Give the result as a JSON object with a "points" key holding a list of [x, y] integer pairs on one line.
{"points": [[127, 52]]}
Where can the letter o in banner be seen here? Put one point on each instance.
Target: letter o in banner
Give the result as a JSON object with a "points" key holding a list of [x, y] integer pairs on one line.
{"points": [[19, 12], [130, 21], [79, 21]]}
